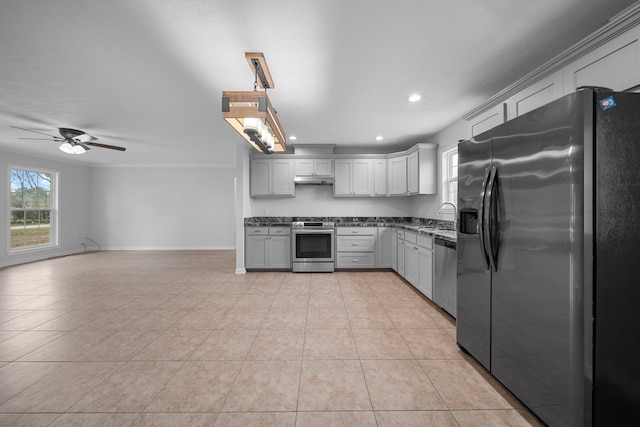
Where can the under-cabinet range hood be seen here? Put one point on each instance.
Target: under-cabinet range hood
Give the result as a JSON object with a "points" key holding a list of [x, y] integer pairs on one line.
{"points": [[313, 180]]}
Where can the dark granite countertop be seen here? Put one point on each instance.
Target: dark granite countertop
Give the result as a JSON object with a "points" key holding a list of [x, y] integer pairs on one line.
{"points": [[423, 226]]}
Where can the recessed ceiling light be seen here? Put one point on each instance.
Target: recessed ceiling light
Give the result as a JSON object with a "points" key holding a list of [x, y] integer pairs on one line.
{"points": [[415, 98], [293, 137], [379, 138]]}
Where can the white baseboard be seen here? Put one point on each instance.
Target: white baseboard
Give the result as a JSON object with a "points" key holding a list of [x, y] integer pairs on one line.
{"points": [[41, 256], [168, 248], [16, 259]]}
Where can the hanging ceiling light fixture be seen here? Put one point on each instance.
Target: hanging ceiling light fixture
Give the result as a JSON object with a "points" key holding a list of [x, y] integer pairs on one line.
{"points": [[251, 114]]}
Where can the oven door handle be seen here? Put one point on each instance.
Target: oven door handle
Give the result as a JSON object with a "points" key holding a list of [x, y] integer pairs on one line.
{"points": [[325, 231]]}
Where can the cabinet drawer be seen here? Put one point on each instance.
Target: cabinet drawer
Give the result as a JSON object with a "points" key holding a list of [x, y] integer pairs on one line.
{"points": [[356, 243], [357, 231], [411, 237], [355, 260], [279, 231], [425, 242], [257, 230]]}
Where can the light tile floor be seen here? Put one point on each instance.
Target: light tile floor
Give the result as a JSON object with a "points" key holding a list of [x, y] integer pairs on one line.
{"points": [[177, 339]]}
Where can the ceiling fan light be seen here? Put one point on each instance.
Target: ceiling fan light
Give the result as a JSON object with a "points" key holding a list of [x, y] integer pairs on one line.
{"points": [[66, 148], [78, 149]]}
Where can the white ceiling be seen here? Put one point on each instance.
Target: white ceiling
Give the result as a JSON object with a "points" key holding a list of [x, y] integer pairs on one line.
{"points": [[148, 74]]}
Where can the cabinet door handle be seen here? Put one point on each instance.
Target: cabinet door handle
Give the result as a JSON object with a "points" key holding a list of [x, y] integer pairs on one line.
{"points": [[354, 244], [355, 260]]}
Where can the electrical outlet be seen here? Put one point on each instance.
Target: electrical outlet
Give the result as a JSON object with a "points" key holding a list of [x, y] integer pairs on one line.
{"points": [[266, 211]]}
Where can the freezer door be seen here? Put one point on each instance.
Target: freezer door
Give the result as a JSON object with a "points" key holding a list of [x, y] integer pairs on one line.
{"points": [[617, 284], [538, 217], [474, 276]]}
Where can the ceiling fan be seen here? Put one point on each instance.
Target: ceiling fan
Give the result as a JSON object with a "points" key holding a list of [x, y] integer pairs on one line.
{"points": [[73, 141]]}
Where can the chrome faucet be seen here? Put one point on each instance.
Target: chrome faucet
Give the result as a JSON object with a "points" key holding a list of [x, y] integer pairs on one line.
{"points": [[455, 213]]}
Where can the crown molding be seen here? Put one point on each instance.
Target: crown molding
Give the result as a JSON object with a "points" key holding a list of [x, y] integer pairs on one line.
{"points": [[617, 25]]}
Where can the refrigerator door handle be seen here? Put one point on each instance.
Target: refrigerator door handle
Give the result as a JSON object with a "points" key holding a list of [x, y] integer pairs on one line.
{"points": [[488, 220], [481, 220]]}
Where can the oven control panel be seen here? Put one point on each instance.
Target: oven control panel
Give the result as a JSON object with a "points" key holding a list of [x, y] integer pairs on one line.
{"points": [[312, 225]]}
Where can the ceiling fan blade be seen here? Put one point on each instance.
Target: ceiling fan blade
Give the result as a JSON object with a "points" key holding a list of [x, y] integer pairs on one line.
{"points": [[68, 133], [35, 131], [112, 147], [39, 139]]}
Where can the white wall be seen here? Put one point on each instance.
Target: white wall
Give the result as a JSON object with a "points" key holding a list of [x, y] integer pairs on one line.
{"points": [[74, 207], [318, 200], [163, 207], [243, 202]]}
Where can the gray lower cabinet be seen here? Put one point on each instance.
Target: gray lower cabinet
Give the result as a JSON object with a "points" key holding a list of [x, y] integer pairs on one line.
{"points": [[415, 260], [400, 252], [356, 247], [355, 260], [394, 249], [411, 258], [268, 248], [425, 266], [384, 248]]}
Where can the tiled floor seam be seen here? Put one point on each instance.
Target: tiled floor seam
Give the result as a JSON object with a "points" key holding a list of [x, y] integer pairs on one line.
{"points": [[366, 385]]}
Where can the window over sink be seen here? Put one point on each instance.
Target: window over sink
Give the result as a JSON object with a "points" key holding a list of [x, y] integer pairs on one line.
{"points": [[450, 176]]}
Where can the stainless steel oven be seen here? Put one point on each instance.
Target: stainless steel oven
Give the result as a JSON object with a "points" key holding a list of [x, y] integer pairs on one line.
{"points": [[313, 246]]}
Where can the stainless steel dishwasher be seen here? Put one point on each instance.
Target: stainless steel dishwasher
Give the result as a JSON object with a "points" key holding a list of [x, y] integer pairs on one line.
{"points": [[446, 264]]}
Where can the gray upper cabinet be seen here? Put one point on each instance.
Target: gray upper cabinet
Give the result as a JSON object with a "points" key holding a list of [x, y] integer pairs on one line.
{"points": [[488, 120], [422, 170], [536, 95], [380, 177], [271, 178], [260, 178], [413, 173], [615, 64], [353, 178], [397, 176], [314, 167], [409, 172]]}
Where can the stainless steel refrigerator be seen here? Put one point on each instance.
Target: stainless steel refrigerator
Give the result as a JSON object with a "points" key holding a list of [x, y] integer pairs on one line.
{"points": [[548, 283]]}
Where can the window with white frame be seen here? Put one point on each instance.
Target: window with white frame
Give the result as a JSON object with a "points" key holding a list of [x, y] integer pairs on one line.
{"points": [[450, 176], [32, 217]]}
